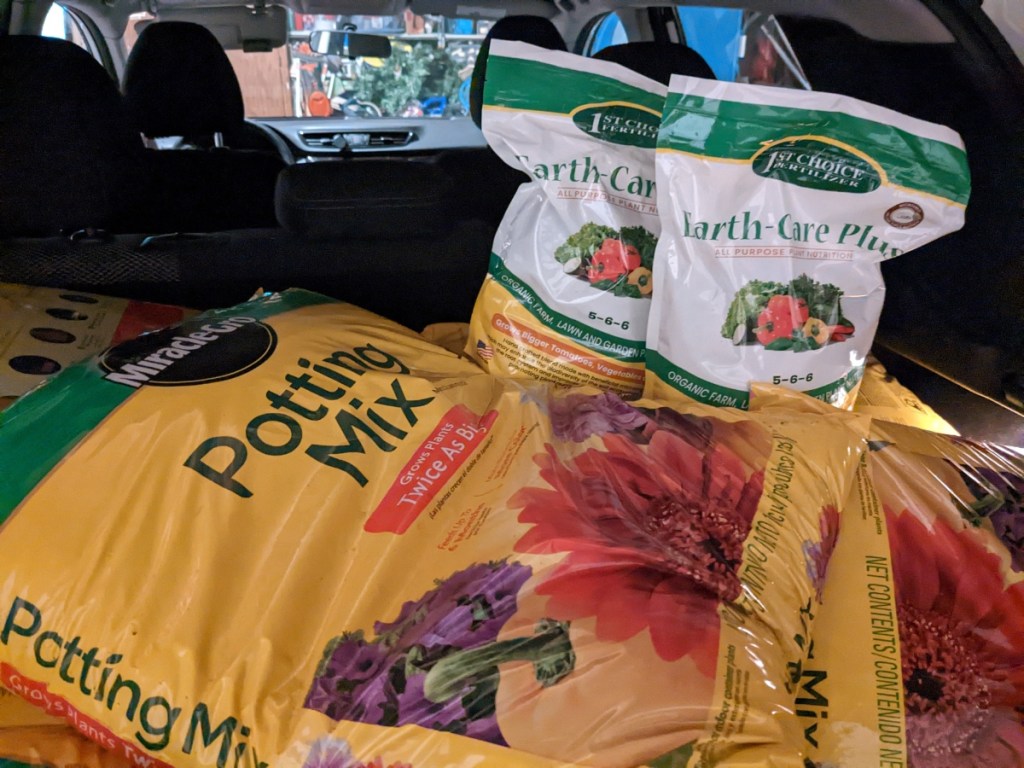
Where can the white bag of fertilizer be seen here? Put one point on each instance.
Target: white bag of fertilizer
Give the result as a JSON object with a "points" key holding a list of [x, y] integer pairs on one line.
{"points": [[570, 282], [777, 208]]}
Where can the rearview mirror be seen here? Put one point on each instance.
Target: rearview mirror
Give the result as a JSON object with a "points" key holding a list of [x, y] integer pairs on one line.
{"points": [[337, 42]]}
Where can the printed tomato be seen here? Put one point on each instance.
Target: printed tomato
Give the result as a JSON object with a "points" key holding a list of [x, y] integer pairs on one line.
{"points": [[769, 327], [613, 260], [785, 305]]}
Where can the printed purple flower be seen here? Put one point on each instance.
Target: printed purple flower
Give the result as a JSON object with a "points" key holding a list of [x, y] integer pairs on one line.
{"points": [[348, 684], [817, 554], [695, 430], [330, 752], [436, 665], [464, 610], [999, 496], [577, 417]]}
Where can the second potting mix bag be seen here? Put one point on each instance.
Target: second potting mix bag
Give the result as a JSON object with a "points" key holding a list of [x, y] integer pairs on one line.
{"points": [[570, 282], [291, 534], [777, 208], [918, 656]]}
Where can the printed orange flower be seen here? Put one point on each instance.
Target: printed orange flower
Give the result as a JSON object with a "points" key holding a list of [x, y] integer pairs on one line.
{"points": [[654, 534], [962, 646]]}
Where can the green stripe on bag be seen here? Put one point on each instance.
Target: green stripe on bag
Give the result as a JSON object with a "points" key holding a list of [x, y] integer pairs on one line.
{"points": [[533, 85], [694, 386], [738, 131]]}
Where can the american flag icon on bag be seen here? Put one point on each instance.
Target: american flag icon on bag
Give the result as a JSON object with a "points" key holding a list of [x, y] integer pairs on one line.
{"points": [[484, 350]]}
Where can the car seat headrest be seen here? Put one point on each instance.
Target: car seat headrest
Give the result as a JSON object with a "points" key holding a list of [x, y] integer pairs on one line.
{"points": [[70, 157], [535, 30], [179, 82], [658, 61]]}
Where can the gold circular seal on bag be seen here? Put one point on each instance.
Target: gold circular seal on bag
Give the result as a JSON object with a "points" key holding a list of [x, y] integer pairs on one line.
{"points": [[904, 215]]}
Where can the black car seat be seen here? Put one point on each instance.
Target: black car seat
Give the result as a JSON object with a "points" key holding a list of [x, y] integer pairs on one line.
{"points": [[70, 159], [179, 82], [535, 30], [485, 183], [658, 61], [72, 175]]}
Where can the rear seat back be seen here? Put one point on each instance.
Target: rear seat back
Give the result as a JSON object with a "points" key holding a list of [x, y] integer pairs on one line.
{"points": [[69, 157], [387, 198], [203, 188], [179, 82], [535, 30], [658, 61], [201, 191]]}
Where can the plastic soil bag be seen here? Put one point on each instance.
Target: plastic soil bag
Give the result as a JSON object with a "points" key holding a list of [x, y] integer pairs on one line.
{"points": [[60, 746], [777, 207], [45, 329], [883, 397], [570, 283], [294, 534], [919, 647]]}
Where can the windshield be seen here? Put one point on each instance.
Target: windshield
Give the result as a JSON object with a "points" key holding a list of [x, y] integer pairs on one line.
{"points": [[427, 74]]}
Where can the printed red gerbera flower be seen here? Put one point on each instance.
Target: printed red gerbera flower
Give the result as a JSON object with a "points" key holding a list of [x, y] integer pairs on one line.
{"points": [[654, 534], [962, 647]]}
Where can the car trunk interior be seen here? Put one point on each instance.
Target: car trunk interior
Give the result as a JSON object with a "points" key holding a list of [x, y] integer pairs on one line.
{"points": [[954, 313]]}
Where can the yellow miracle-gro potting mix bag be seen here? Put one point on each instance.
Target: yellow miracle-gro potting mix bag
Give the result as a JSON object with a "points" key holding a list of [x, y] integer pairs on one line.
{"points": [[292, 534], [918, 654]]}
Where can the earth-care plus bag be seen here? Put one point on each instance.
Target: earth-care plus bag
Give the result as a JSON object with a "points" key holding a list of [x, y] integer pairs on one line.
{"points": [[293, 534], [570, 282], [777, 208], [919, 647]]}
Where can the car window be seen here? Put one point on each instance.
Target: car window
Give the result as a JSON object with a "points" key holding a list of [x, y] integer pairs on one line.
{"points": [[608, 31], [738, 45], [64, 25], [427, 74]]}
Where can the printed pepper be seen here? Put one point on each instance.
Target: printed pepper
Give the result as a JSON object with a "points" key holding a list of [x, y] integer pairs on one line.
{"points": [[781, 318], [841, 332]]}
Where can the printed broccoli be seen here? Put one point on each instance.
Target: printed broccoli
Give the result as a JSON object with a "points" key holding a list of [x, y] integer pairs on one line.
{"points": [[748, 303], [822, 300], [584, 243], [643, 241]]}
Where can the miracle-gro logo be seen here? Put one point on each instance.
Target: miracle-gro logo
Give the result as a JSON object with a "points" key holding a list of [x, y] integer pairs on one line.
{"points": [[817, 164]]}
